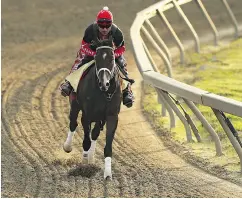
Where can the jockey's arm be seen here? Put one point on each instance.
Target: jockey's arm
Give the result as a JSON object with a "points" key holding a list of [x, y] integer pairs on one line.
{"points": [[120, 49], [86, 42], [118, 40], [84, 50]]}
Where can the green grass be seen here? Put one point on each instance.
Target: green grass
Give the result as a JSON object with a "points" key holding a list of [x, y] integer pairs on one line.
{"points": [[217, 70]]}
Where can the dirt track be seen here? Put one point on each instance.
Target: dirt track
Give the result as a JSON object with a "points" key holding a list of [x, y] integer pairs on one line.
{"points": [[40, 39]]}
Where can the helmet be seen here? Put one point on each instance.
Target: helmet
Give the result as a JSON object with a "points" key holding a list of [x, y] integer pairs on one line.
{"points": [[104, 16]]}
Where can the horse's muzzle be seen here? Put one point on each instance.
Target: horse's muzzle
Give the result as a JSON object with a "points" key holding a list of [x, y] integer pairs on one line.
{"points": [[104, 86]]}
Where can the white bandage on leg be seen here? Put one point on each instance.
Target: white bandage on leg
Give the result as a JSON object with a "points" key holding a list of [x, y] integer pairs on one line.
{"points": [[107, 168], [67, 145], [85, 157], [91, 152]]}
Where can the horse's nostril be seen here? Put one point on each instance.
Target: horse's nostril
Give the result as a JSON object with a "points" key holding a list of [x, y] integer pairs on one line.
{"points": [[99, 84], [107, 84]]}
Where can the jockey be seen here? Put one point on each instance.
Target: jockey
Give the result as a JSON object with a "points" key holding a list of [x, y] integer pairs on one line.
{"points": [[102, 29]]}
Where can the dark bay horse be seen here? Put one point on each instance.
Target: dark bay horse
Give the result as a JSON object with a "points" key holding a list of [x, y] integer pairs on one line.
{"points": [[99, 99]]}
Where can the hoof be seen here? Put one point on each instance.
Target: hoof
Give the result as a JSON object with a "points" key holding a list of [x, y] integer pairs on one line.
{"points": [[107, 176], [67, 148], [91, 158], [85, 158], [107, 169]]}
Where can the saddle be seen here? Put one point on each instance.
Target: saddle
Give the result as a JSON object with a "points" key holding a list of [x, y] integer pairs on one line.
{"points": [[78, 74]]}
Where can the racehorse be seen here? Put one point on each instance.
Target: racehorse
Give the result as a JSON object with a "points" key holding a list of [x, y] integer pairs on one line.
{"points": [[99, 98]]}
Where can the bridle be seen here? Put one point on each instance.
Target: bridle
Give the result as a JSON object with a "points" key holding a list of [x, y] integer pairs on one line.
{"points": [[111, 72], [106, 69]]}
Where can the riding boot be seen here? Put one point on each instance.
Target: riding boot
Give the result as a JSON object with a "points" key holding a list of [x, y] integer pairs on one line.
{"points": [[66, 89], [128, 97]]}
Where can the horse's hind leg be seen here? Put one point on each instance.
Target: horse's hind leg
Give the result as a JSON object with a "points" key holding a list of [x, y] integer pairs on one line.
{"points": [[112, 122], [72, 126], [86, 141]]}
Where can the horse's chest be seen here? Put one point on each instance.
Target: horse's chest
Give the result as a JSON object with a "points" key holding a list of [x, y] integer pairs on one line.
{"points": [[96, 103], [97, 106]]}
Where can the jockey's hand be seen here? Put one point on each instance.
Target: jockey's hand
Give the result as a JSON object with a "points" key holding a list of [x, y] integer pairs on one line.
{"points": [[125, 69], [93, 46]]}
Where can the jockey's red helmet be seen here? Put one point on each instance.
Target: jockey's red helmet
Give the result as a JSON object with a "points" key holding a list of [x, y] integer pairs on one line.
{"points": [[104, 15]]}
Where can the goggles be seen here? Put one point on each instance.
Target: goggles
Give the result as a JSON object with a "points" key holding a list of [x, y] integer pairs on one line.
{"points": [[104, 20], [104, 25]]}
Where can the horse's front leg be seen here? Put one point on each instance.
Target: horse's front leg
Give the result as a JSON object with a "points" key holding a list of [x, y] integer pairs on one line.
{"points": [[86, 141], [94, 135], [72, 126], [112, 122]]}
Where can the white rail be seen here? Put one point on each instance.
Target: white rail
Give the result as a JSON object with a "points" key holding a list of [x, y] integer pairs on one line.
{"points": [[165, 85]]}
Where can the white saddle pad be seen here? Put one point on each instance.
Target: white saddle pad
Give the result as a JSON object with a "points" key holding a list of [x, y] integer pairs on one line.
{"points": [[75, 76]]}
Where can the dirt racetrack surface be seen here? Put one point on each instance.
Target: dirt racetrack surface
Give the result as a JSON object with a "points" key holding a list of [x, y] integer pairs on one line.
{"points": [[39, 43]]}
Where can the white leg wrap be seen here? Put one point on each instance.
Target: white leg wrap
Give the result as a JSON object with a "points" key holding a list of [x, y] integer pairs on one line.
{"points": [[107, 168], [70, 136], [67, 145], [91, 152], [85, 157]]}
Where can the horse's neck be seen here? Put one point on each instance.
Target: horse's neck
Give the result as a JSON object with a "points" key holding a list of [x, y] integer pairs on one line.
{"points": [[90, 80], [94, 78]]}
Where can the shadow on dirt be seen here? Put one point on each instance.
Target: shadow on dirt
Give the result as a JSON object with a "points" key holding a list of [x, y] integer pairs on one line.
{"points": [[84, 170]]}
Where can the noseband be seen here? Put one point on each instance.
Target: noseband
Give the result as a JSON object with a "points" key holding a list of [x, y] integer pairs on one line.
{"points": [[106, 69]]}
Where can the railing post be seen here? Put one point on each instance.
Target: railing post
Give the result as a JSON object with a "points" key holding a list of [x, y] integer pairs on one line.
{"points": [[160, 52], [172, 117], [206, 125], [160, 101], [178, 42], [179, 114], [232, 17], [178, 8], [213, 27], [150, 57], [164, 46], [230, 135]]}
